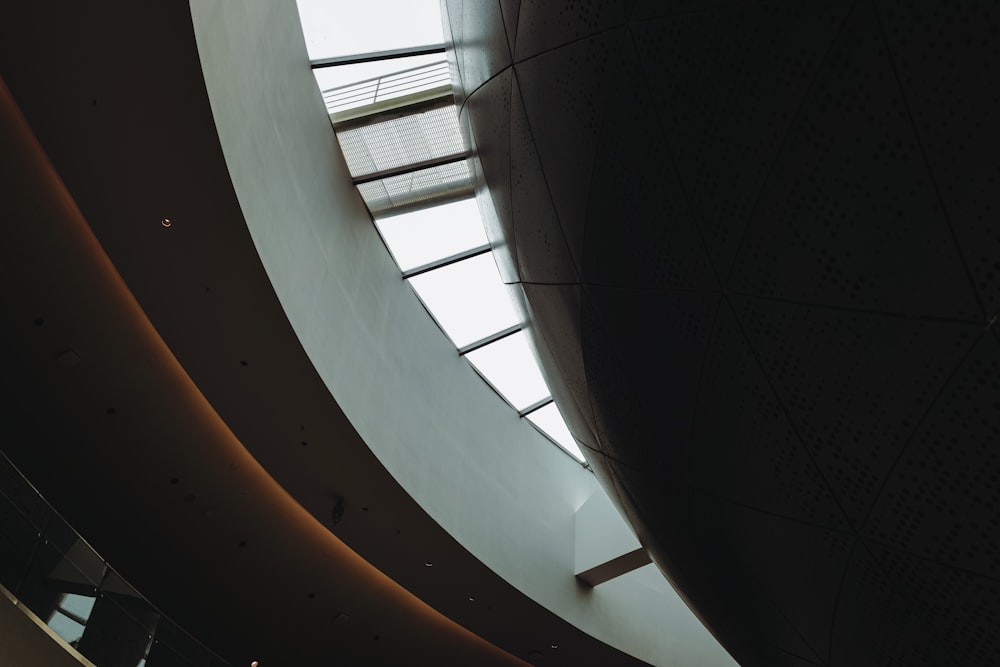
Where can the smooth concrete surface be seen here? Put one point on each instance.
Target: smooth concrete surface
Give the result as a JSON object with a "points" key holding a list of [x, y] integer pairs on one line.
{"points": [[26, 641], [499, 488], [601, 535], [606, 547]]}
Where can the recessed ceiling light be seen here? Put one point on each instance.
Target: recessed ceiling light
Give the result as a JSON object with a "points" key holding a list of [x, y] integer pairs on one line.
{"points": [[166, 223], [428, 564], [554, 646]]}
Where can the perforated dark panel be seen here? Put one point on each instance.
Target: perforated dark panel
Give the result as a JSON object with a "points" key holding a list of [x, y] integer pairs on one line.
{"points": [[945, 56], [848, 215], [542, 252], [943, 499], [548, 24], [575, 79], [725, 105], [934, 614], [839, 376], [744, 447], [645, 392], [638, 230], [761, 246], [795, 586]]}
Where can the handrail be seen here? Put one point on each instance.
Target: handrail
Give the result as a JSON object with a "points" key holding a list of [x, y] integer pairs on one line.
{"points": [[49, 568], [388, 86]]}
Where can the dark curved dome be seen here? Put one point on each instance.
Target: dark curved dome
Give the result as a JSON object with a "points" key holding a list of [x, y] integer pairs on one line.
{"points": [[760, 243]]}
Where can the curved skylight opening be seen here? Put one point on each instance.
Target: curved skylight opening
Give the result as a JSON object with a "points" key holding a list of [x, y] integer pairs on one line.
{"points": [[398, 128]]}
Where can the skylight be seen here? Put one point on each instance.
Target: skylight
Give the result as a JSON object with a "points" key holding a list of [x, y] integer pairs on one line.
{"points": [[509, 366], [468, 299], [397, 125], [422, 237]]}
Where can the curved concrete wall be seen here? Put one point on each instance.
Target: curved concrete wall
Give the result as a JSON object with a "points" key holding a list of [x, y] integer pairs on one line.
{"points": [[495, 484]]}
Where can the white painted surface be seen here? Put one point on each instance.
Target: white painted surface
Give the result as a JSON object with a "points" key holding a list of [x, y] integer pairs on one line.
{"points": [[496, 485]]}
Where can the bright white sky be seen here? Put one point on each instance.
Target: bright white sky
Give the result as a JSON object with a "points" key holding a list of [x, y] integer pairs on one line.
{"points": [[349, 27]]}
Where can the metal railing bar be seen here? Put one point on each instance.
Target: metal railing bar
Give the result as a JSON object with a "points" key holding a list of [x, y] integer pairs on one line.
{"points": [[359, 117], [447, 261], [492, 338], [376, 78], [412, 167], [375, 56], [535, 406]]}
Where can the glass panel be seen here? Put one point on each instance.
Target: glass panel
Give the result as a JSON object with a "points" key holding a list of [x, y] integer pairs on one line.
{"points": [[467, 298], [70, 616], [345, 27], [419, 238], [402, 141], [550, 422], [66, 627], [17, 545], [509, 365], [79, 606]]}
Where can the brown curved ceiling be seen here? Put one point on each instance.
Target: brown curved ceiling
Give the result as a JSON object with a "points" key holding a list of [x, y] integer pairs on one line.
{"points": [[760, 243]]}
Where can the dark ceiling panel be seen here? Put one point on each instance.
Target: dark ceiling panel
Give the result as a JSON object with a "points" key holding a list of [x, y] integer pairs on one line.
{"points": [[866, 598], [743, 446], [825, 178], [549, 24], [942, 500], [643, 354], [639, 230], [945, 616], [855, 384], [543, 255], [733, 564], [801, 579], [563, 93], [848, 216], [726, 95], [945, 58]]}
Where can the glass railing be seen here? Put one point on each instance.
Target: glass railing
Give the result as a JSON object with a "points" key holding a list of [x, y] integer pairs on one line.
{"points": [[53, 572]]}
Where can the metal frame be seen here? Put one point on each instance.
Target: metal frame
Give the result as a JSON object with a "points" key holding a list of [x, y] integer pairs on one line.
{"points": [[375, 56], [412, 167]]}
